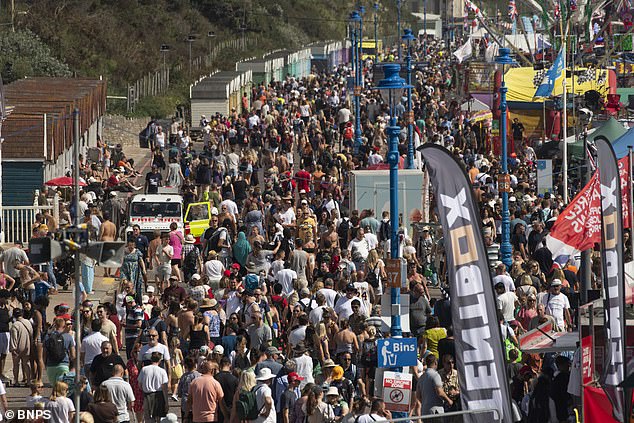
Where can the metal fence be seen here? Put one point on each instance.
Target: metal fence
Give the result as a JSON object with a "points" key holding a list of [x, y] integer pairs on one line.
{"points": [[18, 220], [157, 82], [453, 417]]}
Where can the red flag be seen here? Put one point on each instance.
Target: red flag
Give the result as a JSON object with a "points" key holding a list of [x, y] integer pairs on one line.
{"points": [[624, 167], [578, 227]]}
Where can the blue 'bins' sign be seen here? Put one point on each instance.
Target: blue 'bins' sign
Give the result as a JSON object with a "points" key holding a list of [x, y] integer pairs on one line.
{"points": [[397, 352]]}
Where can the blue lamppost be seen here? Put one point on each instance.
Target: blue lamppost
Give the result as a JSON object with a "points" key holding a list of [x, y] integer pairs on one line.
{"points": [[504, 184], [376, 33], [361, 13], [394, 85], [398, 22], [356, 22], [409, 116]]}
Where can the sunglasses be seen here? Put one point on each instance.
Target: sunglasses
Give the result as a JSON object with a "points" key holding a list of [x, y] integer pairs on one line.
{"points": [[153, 336]]}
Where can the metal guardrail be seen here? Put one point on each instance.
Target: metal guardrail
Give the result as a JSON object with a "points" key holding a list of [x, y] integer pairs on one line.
{"points": [[439, 417], [18, 220]]}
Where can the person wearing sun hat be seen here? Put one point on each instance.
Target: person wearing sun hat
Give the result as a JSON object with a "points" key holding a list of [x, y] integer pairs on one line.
{"points": [[342, 384], [264, 396]]}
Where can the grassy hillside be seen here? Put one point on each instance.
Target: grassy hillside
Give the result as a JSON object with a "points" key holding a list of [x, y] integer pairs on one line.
{"points": [[120, 39]]}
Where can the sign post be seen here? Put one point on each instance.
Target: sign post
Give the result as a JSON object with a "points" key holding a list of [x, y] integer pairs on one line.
{"points": [[397, 391], [397, 352], [394, 274]]}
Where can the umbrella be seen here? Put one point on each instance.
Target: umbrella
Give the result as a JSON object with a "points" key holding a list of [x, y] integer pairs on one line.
{"points": [[64, 181]]}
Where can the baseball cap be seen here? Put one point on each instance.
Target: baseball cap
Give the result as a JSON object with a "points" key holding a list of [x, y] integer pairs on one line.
{"points": [[236, 266], [129, 299], [150, 290], [218, 349], [196, 276], [555, 282], [294, 376], [351, 287], [145, 299]]}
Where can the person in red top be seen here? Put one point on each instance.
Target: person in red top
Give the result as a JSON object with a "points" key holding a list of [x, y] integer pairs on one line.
{"points": [[205, 396], [303, 179]]}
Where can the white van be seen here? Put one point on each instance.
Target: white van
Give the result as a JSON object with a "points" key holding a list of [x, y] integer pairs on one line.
{"points": [[155, 212]]}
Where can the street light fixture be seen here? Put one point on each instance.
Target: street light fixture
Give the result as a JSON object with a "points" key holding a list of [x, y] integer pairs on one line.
{"points": [[190, 39], [355, 23], [376, 33], [504, 181], [394, 85], [210, 36], [164, 49], [409, 116]]}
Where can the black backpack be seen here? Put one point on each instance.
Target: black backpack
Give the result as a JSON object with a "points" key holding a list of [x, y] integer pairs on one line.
{"points": [[372, 278], [385, 230], [191, 259], [369, 354], [342, 231], [215, 240], [55, 348]]}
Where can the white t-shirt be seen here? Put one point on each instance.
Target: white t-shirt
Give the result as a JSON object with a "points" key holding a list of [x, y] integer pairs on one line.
{"points": [[276, 266], [287, 217], [315, 315], [507, 280], [343, 308], [233, 304], [285, 278], [91, 346], [364, 293], [296, 336], [506, 303], [152, 378], [146, 352], [214, 269], [263, 391], [373, 241], [358, 249], [231, 206], [370, 418], [555, 305], [330, 295], [60, 409], [304, 368]]}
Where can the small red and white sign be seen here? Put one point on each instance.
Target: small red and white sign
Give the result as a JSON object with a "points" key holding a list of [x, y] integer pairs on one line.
{"points": [[587, 356], [397, 391]]}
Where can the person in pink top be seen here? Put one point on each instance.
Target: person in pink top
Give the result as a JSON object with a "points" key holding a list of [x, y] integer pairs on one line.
{"points": [[176, 242], [205, 396]]}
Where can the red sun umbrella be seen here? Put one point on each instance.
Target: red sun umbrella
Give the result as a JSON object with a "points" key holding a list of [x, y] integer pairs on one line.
{"points": [[64, 181]]}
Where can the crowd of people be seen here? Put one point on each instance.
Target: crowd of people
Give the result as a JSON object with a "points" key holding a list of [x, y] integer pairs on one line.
{"points": [[275, 312]]}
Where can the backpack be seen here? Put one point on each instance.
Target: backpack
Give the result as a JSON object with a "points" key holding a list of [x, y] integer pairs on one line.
{"points": [[385, 230], [369, 355], [372, 278], [55, 348], [348, 133], [191, 259], [342, 231], [215, 239], [247, 405], [144, 339]]}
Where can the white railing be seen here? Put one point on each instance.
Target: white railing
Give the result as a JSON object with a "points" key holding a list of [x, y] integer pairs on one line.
{"points": [[18, 220]]}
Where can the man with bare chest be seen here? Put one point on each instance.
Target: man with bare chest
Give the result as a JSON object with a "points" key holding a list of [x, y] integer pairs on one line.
{"points": [[107, 232], [185, 321]]}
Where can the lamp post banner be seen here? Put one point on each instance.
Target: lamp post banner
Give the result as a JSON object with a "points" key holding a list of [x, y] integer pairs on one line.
{"points": [[613, 271], [479, 348]]}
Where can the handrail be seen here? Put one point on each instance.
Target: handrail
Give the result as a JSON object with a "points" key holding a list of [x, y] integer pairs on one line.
{"points": [[495, 411]]}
